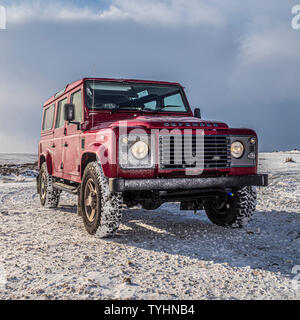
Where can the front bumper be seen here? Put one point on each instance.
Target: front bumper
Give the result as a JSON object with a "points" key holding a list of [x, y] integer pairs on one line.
{"points": [[121, 185]]}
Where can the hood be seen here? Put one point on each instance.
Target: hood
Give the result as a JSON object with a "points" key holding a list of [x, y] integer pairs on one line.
{"points": [[153, 122]]}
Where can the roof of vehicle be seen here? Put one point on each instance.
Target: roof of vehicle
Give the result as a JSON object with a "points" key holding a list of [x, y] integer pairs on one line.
{"points": [[77, 83]]}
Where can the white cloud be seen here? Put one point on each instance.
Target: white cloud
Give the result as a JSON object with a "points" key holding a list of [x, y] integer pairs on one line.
{"points": [[171, 13], [268, 66], [168, 13], [35, 11], [272, 44]]}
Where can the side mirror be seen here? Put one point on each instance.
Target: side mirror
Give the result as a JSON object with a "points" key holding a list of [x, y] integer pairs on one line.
{"points": [[197, 113], [69, 112]]}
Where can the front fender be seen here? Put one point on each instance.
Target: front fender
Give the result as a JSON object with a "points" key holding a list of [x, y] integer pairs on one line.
{"points": [[49, 163]]}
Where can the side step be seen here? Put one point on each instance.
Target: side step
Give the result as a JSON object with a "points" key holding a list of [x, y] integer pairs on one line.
{"points": [[65, 187]]}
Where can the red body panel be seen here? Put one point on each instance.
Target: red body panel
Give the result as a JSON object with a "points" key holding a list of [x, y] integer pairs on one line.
{"points": [[66, 149]]}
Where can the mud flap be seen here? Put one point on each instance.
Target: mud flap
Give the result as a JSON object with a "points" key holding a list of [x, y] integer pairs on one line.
{"points": [[79, 211]]}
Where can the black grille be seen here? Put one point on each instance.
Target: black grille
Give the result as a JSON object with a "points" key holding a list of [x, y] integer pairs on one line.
{"points": [[176, 152]]}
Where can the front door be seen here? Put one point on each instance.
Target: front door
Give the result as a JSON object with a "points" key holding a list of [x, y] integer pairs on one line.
{"points": [[71, 141]]}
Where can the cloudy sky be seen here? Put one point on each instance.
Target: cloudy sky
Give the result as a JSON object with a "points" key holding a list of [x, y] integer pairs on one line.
{"points": [[239, 60]]}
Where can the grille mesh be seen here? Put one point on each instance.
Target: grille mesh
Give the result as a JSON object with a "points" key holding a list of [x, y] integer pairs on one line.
{"points": [[177, 152]]}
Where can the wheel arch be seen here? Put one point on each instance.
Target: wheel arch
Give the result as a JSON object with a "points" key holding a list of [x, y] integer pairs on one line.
{"points": [[87, 158], [48, 159]]}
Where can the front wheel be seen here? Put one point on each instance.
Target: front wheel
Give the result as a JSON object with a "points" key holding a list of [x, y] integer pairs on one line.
{"points": [[100, 208], [233, 211]]}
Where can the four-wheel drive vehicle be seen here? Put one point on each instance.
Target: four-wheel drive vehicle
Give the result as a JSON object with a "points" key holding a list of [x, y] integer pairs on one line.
{"points": [[114, 142]]}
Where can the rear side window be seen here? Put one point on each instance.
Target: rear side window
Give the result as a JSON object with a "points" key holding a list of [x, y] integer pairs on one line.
{"points": [[60, 119], [76, 99], [48, 118]]}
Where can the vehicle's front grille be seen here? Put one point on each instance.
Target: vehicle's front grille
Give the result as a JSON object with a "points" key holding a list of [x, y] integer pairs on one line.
{"points": [[176, 152]]}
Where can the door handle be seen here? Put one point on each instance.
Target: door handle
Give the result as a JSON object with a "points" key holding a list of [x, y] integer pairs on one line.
{"points": [[66, 144], [53, 145]]}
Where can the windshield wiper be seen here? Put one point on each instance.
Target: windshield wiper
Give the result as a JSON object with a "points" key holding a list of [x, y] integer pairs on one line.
{"points": [[162, 108], [133, 108]]}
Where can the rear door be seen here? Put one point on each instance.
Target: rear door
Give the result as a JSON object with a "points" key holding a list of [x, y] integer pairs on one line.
{"points": [[71, 141], [46, 141], [59, 132]]}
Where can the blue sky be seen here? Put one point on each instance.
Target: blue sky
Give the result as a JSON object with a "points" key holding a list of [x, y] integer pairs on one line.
{"points": [[239, 60]]}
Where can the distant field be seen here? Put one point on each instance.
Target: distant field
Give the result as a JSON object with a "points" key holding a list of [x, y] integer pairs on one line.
{"points": [[17, 158]]}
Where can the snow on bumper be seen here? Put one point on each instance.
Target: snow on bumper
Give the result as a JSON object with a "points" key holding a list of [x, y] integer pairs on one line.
{"points": [[121, 185]]}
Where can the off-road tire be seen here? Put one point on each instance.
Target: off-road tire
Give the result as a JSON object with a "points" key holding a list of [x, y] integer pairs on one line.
{"points": [[108, 206], [49, 196], [238, 210]]}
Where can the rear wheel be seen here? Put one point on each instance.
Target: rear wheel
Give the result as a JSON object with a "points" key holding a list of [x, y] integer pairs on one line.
{"points": [[232, 211], [101, 210], [49, 196]]}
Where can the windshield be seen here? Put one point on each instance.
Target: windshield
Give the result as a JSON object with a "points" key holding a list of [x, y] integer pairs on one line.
{"points": [[147, 97]]}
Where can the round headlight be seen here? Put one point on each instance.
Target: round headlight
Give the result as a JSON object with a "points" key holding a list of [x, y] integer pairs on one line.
{"points": [[237, 149], [140, 150]]}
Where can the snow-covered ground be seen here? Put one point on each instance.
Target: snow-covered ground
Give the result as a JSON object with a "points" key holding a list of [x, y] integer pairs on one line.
{"points": [[283, 194], [17, 158], [163, 254]]}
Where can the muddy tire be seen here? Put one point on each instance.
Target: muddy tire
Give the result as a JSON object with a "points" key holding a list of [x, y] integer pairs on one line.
{"points": [[49, 196], [233, 212], [101, 210]]}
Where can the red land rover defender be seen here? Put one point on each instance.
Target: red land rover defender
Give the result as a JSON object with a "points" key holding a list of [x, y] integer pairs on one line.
{"points": [[114, 142]]}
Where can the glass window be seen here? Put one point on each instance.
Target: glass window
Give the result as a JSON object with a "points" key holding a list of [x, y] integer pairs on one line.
{"points": [[76, 99], [48, 118], [101, 95], [152, 105], [60, 119], [172, 102]]}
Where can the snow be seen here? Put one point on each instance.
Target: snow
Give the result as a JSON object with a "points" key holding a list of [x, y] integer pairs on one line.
{"points": [[161, 254], [17, 158], [284, 178]]}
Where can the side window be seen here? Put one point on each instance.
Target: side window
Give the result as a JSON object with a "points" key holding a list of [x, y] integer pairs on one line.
{"points": [[48, 118], [60, 121], [76, 99]]}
